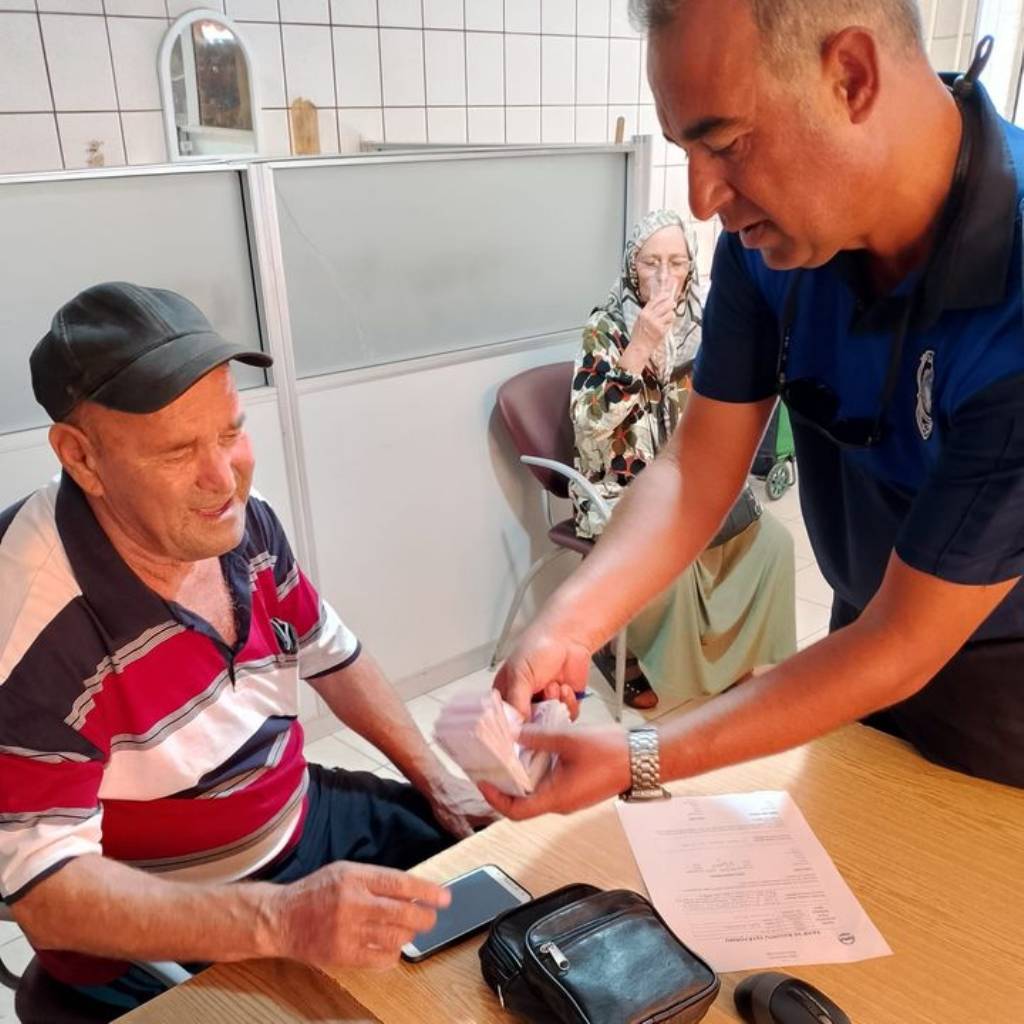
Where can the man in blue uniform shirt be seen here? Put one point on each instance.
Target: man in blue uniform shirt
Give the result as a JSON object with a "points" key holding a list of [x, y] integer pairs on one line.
{"points": [[871, 276]]}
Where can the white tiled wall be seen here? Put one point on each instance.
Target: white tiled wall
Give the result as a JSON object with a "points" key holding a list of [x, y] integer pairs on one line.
{"points": [[78, 72], [78, 77]]}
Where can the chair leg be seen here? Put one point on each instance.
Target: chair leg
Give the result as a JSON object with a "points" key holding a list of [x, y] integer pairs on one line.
{"points": [[620, 673], [541, 563], [7, 977]]}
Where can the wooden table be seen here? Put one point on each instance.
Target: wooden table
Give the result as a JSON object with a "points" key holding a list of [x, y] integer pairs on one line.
{"points": [[936, 859]]}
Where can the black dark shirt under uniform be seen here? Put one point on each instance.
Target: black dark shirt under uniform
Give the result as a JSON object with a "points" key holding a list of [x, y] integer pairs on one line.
{"points": [[944, 487]]}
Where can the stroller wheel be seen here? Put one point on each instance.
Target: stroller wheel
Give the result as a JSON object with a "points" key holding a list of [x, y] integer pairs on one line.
{"points": [[778, 480]]}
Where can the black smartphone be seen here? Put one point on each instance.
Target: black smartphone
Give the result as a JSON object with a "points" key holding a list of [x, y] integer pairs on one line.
{"points": [[478, 897]]}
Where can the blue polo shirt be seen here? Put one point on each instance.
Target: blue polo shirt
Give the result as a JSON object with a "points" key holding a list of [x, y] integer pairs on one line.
{"points": [[945, 486]]}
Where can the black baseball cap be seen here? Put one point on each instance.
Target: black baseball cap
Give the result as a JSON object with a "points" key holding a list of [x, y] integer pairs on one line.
{"points": [[129, 348]]}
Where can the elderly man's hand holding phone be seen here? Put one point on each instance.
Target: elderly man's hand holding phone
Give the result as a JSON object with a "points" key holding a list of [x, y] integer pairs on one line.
{"points": [[354, 915]]}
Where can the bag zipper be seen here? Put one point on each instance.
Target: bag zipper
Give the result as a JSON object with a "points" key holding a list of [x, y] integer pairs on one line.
{"points": [[551, 950], [506, 952], [581, 929], [562, 963]]}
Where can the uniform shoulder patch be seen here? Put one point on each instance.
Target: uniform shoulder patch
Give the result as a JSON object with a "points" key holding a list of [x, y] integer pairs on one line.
{"points": [[925, 380]]}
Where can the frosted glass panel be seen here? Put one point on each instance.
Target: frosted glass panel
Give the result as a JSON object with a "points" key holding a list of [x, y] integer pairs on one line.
{"points": [[389, 261], [185, 232]]}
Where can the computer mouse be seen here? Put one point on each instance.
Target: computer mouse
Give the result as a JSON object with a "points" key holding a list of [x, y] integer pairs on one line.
{"points": [[775, 998]]}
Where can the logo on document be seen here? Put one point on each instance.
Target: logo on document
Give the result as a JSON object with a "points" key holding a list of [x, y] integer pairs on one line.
{"points": [[925, 379], [847, 938]]}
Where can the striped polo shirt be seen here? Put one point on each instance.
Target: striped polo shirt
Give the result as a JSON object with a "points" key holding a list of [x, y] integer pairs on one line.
{"points": [[127, 726]]}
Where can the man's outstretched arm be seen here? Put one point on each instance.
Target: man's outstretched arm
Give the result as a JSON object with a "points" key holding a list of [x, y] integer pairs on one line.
{"points": [[342, 915], [661, 524], [913, 626]]}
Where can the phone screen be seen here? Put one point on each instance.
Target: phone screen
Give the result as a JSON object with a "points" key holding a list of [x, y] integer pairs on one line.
{"points": [[477, 898]]}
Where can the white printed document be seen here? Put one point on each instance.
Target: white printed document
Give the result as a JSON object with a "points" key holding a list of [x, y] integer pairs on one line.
{"points": [[744, 882]]}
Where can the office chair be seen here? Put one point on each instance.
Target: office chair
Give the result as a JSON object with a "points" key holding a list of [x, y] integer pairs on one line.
{"points": [[534, 406], [38, 999]]}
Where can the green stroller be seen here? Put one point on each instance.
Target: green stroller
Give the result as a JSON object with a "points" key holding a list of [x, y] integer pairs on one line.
{"points": [[775, 462]]}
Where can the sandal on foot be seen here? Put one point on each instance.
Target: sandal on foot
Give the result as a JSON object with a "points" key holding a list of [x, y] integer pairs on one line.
{"points": [[637, 692]]}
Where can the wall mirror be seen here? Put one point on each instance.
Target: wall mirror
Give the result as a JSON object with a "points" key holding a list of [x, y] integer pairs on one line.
{"points": [[208, 88]]}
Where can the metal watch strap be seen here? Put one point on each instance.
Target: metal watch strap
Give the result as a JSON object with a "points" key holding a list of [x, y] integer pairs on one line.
{"points": [[644, 766]]}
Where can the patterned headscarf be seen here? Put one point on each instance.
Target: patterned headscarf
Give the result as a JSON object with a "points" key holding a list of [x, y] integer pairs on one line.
{"points": [[624, 301]]}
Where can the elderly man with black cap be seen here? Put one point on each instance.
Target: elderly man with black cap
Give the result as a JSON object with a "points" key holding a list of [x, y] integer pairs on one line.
{"points": [[155, 627]]}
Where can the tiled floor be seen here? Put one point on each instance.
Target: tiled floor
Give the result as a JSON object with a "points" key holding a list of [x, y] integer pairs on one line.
{"points": [[346, 749]]}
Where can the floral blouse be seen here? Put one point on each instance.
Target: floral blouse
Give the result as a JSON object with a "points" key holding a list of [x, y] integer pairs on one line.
{"points": [[621, 420]]}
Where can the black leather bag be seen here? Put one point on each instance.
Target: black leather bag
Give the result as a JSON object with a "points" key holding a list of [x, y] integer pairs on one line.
{"points": [[747, 510], [582, 955]]}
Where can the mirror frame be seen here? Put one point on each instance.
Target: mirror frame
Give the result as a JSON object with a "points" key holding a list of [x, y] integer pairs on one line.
{"points": [[163, 69]]}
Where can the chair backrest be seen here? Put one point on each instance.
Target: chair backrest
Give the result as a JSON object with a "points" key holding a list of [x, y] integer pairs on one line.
{"points": [[534, 406]]}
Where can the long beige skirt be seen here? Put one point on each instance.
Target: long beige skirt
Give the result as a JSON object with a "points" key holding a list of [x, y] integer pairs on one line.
{"points": [[733, 609]]}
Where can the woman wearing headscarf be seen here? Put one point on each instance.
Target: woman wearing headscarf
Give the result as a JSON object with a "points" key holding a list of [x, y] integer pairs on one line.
{"points": [[734, 608]]}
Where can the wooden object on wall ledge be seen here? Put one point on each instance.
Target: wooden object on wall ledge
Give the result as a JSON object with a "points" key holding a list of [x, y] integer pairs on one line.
{"points": [[620, 130], [305, 128]]}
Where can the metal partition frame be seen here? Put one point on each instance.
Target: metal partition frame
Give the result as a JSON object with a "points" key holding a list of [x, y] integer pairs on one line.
{"points": [[265, 237]]}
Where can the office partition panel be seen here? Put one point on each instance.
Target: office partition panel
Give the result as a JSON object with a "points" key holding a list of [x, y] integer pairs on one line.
{"points": [[62, 233], [390, 259]]}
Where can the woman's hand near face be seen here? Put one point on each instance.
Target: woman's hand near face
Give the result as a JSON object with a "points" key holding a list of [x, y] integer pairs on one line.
{"points": [[653, 323]]}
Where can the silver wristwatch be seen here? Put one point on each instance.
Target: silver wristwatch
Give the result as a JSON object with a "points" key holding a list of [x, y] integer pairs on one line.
{"points": [[644, 766]]}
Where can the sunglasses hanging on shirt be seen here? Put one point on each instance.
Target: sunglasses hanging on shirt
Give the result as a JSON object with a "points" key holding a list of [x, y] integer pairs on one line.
{"points": [[815, 401]]}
